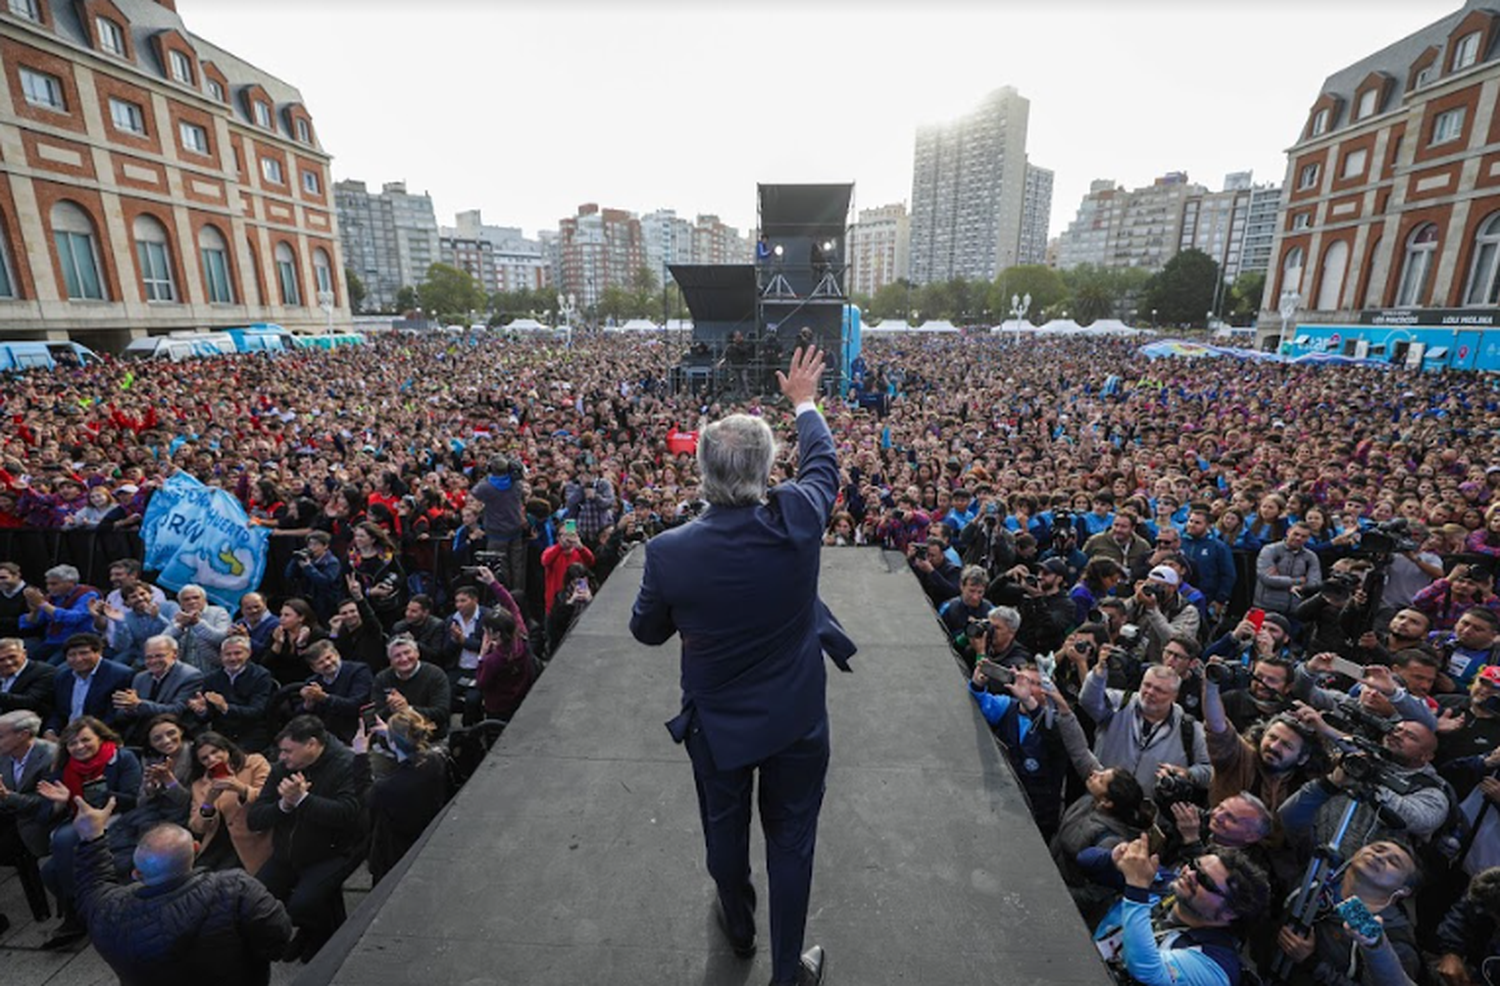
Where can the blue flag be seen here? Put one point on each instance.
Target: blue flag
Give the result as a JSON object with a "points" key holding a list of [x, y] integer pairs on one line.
{"points": [[201, 535]]}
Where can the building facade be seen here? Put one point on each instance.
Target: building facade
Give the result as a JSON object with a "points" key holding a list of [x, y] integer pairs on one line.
{"points": [[879, 245], [1260, 228], [597, 249], [1036, 216], [500, 258], [152, 181], [1088, 237], [390, 238], [1392, 210], [969, 190]]}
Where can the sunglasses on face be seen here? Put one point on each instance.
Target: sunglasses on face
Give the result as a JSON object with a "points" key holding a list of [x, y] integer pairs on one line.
{"points": [[1207, 882]]}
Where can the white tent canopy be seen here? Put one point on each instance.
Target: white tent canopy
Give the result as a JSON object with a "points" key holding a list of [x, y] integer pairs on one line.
{"points": [[888, 326], [526, 325], [940, 325], [1014, 326], [635, 325]]}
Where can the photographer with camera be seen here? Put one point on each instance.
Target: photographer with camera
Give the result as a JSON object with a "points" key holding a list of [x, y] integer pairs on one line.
{"points": [[1021, 712], [316, 575], [1446, 600], [903, 524], [967, 607], [1286, 572], [1063, 545], [1158, 609], [1143, 731], [1379, 695], [994, 637], [1037, 594], [938, 575], [502, 492], [1271, 761], [1392, 781], [1339, 602]]}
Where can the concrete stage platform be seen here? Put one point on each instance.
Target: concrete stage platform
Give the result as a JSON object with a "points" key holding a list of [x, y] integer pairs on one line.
{"points": [[574, 856]]}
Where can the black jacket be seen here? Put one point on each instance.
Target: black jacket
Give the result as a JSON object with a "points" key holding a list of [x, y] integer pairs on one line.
{"points": [[33, 690], [248, 699], [223, 928], [326, 824], [401, 805]]}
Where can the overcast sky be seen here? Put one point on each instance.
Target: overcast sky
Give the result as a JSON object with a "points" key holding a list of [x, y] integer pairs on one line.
{"points": [[528, 109]]}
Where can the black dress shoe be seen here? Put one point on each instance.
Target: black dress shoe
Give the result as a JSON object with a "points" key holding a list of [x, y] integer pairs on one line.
{"points": [[809, 968], [743, 948], [69, 933]]}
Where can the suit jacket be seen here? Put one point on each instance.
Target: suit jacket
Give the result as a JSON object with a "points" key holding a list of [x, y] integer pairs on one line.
{"points": [[32, 690], [349, 691], [31, 811], [741, 586], [180, 683], [329, 821], [248, 698], [109, 677]]}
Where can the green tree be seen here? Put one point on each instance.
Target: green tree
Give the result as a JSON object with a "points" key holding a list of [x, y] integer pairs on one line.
{"points": [[616, 303], [356, 289], [1103, 292], [892, 300], [645, 294], [451, 293], [406, 299], [1182, 292], [1045, 285], [1246, 294]]}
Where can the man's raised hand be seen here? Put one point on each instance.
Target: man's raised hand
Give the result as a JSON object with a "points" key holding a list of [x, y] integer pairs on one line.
{"points": [[800, 382]]}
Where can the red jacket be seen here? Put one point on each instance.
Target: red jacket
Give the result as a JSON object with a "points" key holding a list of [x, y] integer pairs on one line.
{"points": [[555, 562]]}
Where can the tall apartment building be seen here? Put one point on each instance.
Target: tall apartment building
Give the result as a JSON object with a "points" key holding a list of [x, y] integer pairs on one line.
{"points": [[879, 245], [667, 239], [1393, 197], [1148, 226], [716, 243], [1036, 216], [969, 190], [150, 180], [1088, 237], [1260, 228], [390, 237], [498, 257], [596, 249]]}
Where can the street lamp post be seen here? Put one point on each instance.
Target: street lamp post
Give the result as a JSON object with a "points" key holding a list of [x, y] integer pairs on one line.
{"points": [[1153, 319], [325, 300], [1288, 307], [1019, 306]]}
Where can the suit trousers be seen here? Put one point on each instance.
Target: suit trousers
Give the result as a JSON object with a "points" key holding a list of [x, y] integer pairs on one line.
{"points": [[791, 795], [313, 893]]}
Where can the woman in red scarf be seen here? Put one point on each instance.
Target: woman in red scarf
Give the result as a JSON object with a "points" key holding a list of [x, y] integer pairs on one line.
{"points": [[95, 766]]}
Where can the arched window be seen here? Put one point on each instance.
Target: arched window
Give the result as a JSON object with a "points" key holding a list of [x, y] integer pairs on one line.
{"points": [[286, 275], [154, 253], [1484, 285], [1291, 271], [7, 278], [78, 252], [1416, 268], [214, 253], [323, 271], [1331, 279]]}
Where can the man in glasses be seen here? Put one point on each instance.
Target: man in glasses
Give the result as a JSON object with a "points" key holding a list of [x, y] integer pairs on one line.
{"points": [[1186, 936]]}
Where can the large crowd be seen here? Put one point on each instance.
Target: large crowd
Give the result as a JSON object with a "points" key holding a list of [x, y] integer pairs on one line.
{"points": [[1217, 613]]}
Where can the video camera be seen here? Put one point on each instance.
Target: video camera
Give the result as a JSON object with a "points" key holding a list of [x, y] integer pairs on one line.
{"points": [[1390, 537], [492, 560], [1063, 529], [1339, 586]]}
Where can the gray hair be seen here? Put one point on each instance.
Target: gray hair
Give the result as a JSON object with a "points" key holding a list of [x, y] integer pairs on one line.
{"points": [[400, 640], [236, 640], [160, 638], [192, 589], [63, 573], [974, 575], [1009, 614], [22, 721], [12, 643], [734, 459], [1264, 820]]}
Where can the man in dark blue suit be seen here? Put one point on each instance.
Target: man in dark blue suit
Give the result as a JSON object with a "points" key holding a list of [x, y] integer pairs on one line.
{"points": [[236, 696], [336, 689], [740, 584], [88, 686]]}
